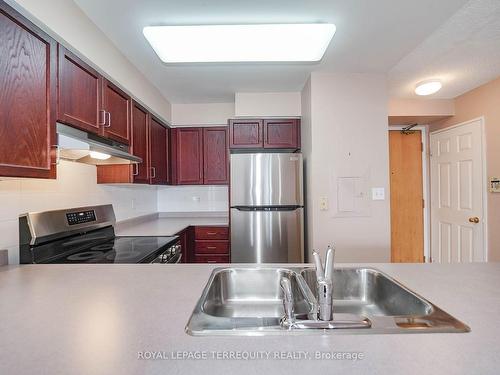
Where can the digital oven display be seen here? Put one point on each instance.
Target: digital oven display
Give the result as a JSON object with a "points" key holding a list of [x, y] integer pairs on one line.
{"points": [[80, 217]]}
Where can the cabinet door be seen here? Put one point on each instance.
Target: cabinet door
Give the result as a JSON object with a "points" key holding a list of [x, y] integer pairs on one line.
{"points": [[215, 156], [282, 133], [189, 156], [117, 105], [27, 98], [158, 140], [245, 134], [79, 90], [140, 122]]}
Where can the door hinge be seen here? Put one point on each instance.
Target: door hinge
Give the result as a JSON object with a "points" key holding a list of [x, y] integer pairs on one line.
{"points": [[423, 203], [422, 146]]}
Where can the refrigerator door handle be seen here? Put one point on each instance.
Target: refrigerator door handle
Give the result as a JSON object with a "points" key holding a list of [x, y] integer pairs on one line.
{"points": [[266, 208]]}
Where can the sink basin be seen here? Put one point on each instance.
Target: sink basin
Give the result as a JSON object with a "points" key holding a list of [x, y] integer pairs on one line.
{"points": [[369, 292], [248, 301], [253, 292]]}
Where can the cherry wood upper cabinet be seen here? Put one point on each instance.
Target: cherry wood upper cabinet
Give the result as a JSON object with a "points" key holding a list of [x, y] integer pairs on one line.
{"points": [[159, 153], [246, 133], [79, 93], [117, 109], [276, 133], [215, 155], [282, 133], [140, 143], [187, 153], [28, 66]]}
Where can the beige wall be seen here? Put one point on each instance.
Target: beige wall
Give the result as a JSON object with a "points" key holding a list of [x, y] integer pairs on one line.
{"points": [[66, 22], [348, 138], [267, 104], [202, 113], [484, 101]]}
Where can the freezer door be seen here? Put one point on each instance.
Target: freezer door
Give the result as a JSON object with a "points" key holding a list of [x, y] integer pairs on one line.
{"points": [[267, 236], [266, 179]]}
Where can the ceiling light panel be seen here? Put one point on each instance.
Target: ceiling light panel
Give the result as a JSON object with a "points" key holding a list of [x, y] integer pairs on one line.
{"points": [[240, 43]]}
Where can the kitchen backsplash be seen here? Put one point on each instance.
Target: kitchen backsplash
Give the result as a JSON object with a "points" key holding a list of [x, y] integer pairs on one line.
{"points": [[76, 186], [192, 198]]}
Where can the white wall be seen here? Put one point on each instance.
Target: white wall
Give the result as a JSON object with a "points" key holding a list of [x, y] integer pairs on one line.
{"points": [[75, 186], [192, 198], [265, 104], [202, 113], [348, 130], [65, 21]]}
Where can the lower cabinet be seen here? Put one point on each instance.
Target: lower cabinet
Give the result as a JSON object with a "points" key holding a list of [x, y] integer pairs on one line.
{"points": [[206, 244]]}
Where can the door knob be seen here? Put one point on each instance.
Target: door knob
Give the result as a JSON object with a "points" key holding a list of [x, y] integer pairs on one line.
{"points": [[474, 220]]}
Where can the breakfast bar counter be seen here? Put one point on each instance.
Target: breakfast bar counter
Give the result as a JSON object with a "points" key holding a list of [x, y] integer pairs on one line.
{"points": [[130, 319]]}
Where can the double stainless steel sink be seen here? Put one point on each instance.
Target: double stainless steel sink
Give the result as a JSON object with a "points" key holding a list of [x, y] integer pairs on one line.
{"points": [[249, 301]]}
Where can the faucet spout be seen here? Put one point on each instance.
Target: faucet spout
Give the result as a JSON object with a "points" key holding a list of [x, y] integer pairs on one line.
{"points": [[286, 286]]}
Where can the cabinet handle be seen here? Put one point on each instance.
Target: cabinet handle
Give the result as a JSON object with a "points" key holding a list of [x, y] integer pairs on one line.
{"points": [[58, 154], [211, 233], [211, 247], [136, 169], [109, 120], [211, 261], [102, 115], [153, 169]]}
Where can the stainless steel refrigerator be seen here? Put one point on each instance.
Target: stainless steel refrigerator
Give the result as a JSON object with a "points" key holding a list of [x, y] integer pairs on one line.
{"points": [[267, 208]]}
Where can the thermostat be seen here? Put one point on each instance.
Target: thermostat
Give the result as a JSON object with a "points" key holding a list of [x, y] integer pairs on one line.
{"points": [[494, 185]]}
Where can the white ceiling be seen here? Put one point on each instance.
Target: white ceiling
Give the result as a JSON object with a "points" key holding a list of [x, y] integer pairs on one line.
{"points": [[372, 36], [464, 53]]}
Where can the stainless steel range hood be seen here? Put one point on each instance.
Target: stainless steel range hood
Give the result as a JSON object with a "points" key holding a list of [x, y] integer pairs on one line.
{"points": [[77, 145]]}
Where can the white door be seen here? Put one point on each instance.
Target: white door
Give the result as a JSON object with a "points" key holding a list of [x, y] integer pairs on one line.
{"points": [[457, 188]]}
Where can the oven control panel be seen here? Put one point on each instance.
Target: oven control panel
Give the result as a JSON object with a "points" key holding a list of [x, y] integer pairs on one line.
{"points": [[80, 217]]}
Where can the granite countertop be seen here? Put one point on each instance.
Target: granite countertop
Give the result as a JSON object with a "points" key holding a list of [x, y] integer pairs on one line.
{"points": [[168, 224], [98, 319]]}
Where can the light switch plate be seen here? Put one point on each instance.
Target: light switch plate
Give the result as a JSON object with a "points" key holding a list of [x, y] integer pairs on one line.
{"points": [[378, 194]]}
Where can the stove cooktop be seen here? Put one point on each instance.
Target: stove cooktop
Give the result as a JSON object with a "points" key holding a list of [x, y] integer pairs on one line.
{"points": [[101, 247]]}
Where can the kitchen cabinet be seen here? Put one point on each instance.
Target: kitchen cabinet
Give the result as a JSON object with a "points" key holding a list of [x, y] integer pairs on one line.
{"points": [[215, 156], [282, 133], [211, 244], [90, 102], [132, 173], [28, 67], [79, 93], [200, 155], [187, 154], [117, 106], [259, 134], [159, 153], [246, 133]]}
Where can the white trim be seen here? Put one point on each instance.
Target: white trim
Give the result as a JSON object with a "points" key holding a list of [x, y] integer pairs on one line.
{"points": [[485, 175], [425, 186]]}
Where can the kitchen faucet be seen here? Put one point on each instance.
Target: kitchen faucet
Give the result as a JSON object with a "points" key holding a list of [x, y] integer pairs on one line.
{"points": [[324, 284]]}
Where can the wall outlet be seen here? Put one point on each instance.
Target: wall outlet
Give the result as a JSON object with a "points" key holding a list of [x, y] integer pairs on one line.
{"points": [[378, 194], [323, 203]]}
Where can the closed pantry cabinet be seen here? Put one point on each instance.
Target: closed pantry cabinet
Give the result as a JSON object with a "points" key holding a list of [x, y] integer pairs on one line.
{"points": [[27, 98]]}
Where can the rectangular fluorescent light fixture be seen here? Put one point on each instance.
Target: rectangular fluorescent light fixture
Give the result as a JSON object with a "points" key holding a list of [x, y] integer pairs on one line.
{"points": [[240, 43]]}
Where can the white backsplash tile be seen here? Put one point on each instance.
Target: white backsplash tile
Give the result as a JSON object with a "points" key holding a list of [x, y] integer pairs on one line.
{"points": [[192, 198], [76, 186]]}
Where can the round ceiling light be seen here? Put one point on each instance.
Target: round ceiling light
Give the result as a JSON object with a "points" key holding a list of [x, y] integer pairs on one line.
{"points": [[428, 87]]}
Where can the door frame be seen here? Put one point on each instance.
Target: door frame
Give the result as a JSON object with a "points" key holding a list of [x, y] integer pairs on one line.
{"points": [[425, 185], [484, 170]]}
